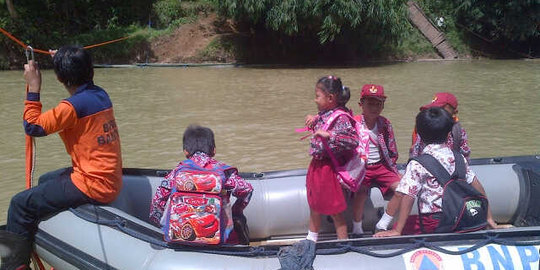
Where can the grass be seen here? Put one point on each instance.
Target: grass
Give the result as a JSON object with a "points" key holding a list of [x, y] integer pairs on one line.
{"points": [[220, 49]]}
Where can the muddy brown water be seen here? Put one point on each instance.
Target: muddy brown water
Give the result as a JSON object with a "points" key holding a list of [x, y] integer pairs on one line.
{"points": [[254, 111]]}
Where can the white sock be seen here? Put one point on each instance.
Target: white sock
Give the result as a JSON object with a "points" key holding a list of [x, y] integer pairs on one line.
{"points": [[384, 221], [313, 236], [357, 227]]}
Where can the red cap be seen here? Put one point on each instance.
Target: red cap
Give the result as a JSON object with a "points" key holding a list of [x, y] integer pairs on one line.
{"points": [[441, 99], [373, 90]]}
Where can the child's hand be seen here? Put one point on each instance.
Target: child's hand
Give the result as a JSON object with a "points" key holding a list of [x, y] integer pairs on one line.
{"points": [[32, 75], [493, 225], [52, 52], [322, 133], [387, 233], [310, 120]]}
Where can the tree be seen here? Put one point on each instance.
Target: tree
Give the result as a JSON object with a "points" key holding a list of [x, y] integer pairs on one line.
{"points": [[502, 23], [11, 9], [327, 18], [500, 19]]}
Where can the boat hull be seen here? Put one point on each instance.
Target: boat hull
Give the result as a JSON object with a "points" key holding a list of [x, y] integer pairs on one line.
{"points": [[118, 236]]}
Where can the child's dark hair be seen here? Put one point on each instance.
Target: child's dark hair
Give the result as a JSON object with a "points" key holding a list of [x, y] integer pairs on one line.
{"points": [[199, 139], [433, 125], [73, 65], [332, 85]]}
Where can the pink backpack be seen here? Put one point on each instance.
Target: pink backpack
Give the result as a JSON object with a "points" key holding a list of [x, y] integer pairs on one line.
{"points": [[353, 171]]}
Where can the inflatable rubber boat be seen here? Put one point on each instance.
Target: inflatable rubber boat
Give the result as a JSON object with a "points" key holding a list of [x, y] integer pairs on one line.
{"points": [[119, 236]]}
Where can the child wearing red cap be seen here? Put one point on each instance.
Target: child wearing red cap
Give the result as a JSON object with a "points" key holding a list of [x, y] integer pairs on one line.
{"points": [[457, 139], [381, 169], [419, 183]]}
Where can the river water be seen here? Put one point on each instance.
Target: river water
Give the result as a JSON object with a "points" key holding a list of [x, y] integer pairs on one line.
{"points": [[254, 111]]}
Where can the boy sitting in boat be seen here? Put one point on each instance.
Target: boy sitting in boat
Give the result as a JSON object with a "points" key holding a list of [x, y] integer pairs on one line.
{"points": [[433, 125], [382, 154], [457, 139], [200, 172]]}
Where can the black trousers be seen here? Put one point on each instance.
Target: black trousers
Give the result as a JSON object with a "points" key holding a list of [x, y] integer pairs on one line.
{"points": [[54, 193]]}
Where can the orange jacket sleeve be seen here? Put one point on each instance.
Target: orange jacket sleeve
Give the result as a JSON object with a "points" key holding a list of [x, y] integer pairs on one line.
{"points": [[39, 124]]}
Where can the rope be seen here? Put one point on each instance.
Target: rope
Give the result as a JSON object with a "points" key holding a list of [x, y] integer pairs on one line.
{"points": [[106, 42], [121, 225], [30, 156], [490, 239], [29, 140], [341, 248], [10, 36]]}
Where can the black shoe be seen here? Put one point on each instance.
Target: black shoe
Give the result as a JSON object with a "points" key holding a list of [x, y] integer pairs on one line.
{"points": [[356, 236], [15, 251], [241, 229]]}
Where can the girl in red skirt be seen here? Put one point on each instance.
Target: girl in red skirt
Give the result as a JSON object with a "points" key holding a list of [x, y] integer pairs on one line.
{"points": [[324, 191]]}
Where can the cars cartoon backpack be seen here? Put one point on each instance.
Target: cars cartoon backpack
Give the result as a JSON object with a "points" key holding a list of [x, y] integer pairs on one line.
{"points": [[352, 172], [464, 208], [195, 212]]}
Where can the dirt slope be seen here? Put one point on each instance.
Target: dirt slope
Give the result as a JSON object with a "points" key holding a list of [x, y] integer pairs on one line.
{"points": [[187, 42]]}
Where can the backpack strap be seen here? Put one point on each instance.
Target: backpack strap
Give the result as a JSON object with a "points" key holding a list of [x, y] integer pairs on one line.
{"points": [[190, 164], [327, 125], [222, 169], [460, 168], [438, 171], [433, 166], [334, 116], [456, 136], [441, 175]]}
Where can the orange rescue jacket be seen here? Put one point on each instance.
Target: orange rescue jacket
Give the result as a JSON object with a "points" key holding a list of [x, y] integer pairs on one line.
{"points": [[85, 122]]}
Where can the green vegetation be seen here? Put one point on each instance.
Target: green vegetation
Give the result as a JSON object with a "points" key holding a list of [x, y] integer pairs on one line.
{"points": [[326, 18], [508, 27], [221, 49], [380, 28], [412, 44], [49, 24], [286, 31], [320, 30], [173, 13], [492, 19]]}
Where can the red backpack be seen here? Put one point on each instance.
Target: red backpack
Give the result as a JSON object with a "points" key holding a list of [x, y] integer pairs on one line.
{"points": [[195, 212]]}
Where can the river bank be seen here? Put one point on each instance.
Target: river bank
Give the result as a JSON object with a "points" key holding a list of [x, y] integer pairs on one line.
{"points": [[209, 39], [298, 33]]}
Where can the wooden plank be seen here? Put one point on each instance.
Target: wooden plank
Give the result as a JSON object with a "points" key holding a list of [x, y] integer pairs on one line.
{"points": [[436, 37]]}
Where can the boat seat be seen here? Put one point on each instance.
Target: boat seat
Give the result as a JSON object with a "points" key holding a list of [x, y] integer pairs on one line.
{"points": [[135, 198]]}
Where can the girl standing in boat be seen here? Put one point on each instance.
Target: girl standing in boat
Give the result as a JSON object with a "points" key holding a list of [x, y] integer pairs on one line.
{"points": [[324, 191]]}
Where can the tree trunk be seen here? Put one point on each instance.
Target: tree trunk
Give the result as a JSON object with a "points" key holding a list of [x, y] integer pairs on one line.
{"points": [[11, 9], [436, 37]]}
